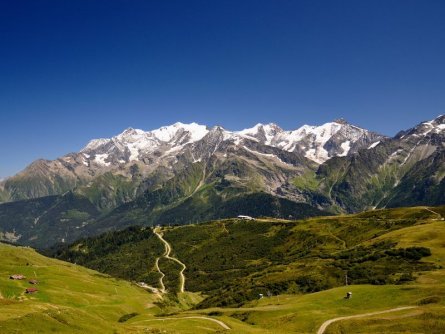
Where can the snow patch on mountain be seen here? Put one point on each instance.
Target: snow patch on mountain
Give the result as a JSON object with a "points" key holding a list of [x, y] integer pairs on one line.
{"points": [[268, 155], [373, 145], [433, 126], [346, 146], [100, 159]]}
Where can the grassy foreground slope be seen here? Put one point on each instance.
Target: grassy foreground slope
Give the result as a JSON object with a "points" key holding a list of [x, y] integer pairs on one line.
{"points": [[74, 299], [71, 299]]}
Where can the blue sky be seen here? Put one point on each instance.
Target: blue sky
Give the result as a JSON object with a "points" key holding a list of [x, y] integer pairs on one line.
{"points": [[75, 70]]}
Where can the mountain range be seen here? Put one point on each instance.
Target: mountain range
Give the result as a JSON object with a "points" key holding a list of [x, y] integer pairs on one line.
{"points": [[186, 173]]}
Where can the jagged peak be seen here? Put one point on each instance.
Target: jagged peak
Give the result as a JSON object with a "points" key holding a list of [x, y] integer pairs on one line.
{"points": [[94, 144], [166, 133], [322, 130], [132, 131], [218, 128], [257, 127], [436, 121], [434, 126], [341, 120]]}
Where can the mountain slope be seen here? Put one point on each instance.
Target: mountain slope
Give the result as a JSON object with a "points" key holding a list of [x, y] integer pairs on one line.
{"points": [[45, 221], [404, 170], [42, 221]]}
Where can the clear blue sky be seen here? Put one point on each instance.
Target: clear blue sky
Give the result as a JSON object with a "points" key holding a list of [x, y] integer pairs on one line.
{"points": [[74, 70]]}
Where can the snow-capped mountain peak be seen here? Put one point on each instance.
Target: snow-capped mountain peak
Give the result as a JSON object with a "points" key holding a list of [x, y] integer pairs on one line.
{"points": [[134, 144], [321, 133], [167, 133], [271, 127], [424, 129], [320, 143], [265, 133], [131, 132], [437, 125], [94, 144]]}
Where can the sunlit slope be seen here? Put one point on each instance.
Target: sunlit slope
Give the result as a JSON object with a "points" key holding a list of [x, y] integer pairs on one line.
{"points": [[70, 298]]}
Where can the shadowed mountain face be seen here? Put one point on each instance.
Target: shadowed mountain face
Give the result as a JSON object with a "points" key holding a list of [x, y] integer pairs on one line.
{"points": [[188, 173], [48, 220]]}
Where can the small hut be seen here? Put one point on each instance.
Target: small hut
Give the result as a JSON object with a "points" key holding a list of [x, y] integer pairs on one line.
{"points": [[33, 281]]}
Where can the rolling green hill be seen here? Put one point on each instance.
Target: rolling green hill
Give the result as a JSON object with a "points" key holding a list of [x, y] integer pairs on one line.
{"points": [[70, 298], [234, 260]]}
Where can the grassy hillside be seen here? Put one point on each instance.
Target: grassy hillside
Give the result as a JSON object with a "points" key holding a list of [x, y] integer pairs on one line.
{"points": [[232, 260], [304, 313], [72, 299]]}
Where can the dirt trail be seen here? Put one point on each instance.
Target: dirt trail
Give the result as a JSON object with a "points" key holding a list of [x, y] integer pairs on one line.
{"points": [[436, 213], [219, 322], [166, 254], [325, 325], [225, 228], [161, 279]]}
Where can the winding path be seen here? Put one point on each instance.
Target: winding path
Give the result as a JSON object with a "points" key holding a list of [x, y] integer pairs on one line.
{"points": [[161, 279], [325, 324], [166, 254], [225, 228], [436, 213], [219, 322]]}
